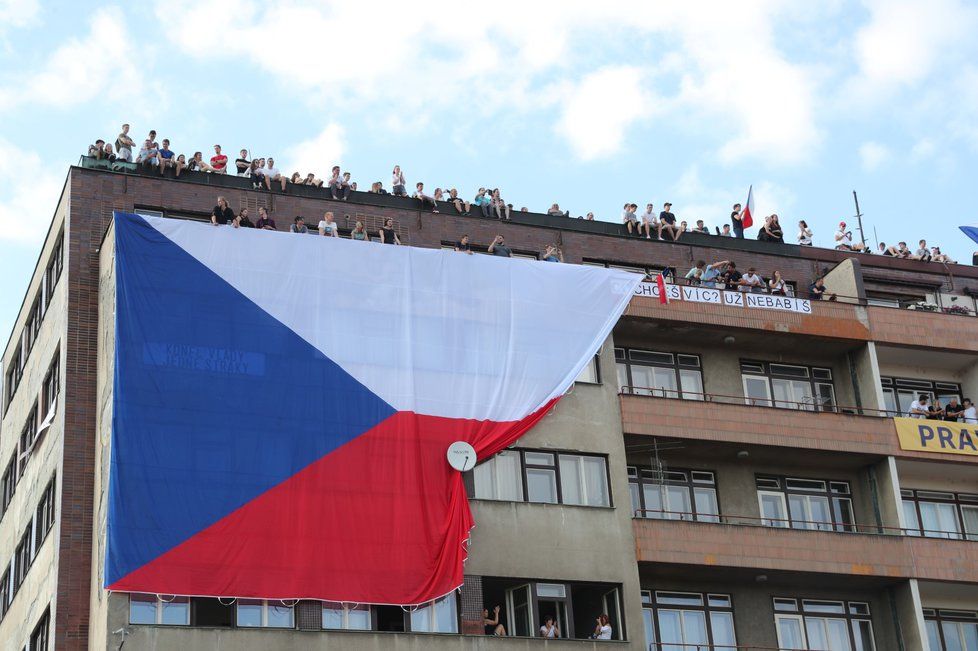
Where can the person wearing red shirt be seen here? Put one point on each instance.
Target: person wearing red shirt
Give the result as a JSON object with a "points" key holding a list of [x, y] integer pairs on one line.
{"points": [[219, 162]]}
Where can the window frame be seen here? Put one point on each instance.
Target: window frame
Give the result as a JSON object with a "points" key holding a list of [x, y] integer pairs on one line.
{"points": [[159, 605], [596, 366], [433, 616], [941, 616], [749, 369], [836, 525], [51, 387], [960, 501], [265, 604], [623, 359], [345, 609], [525, 466], [892, 386], [650, 601], [636, 477], [798, 612], [40, 635]]}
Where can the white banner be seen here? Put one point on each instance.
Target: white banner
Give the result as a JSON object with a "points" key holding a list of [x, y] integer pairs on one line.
{"points": [[724, 297]]}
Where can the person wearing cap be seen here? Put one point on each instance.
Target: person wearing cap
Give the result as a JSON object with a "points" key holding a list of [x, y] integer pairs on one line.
{"points": [[96, 150], [843, 240], [667, 222]]}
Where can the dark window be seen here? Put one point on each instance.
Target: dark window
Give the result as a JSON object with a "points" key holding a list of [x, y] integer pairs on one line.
{"points": [[8, 483], [39, 638], [951, 630], [666, 375], [212, 612], [6, 591], [817, 504], [673, 494], [822, 624], [44, 515], [26, 444], [543, 476], [688, 619], [52, 384], [939, 514], [591, 373], [788, 386], [22, 559], [899, 392]]}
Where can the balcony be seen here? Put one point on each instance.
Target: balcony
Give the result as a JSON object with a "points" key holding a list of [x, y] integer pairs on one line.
{"points": [[921, 328], [725, 419], [780, 549]]}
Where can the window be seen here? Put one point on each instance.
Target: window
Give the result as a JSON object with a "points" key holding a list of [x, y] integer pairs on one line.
{"points": [[353, 617], [816, 504], [8, 483], [440, 616], [675, 621], [52, 385], [27, 436], [673, 494], [166, 610], [951, 630], [666, 375], [788, 386], [898, 393], [22, 559], [39, 638], [590, 374], [547, 477], [526, 604], [823, 625], [938, 514], [261, 613], [6, 591], [44, 515]]}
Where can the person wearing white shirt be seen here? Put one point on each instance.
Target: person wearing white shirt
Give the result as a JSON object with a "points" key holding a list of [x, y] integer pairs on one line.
{"points": [[397, 182], [970, 413], [649, 221], [804, 234], [549, 629], [603, 630], [273, 174], [328, 227], [918, 408], [750, 281]]}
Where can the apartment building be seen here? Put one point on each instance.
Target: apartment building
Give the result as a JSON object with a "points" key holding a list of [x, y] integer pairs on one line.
{"points": [[723, 476]]}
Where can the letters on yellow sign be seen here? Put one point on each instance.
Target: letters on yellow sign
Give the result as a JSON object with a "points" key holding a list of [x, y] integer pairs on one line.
{"points": [[937, 436]]}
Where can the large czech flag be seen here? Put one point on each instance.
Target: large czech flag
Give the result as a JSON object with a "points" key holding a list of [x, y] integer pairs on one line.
{"points": [[283, 404]]}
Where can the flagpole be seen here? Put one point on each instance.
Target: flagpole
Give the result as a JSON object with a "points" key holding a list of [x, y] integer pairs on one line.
{"points": [[859, 218]]}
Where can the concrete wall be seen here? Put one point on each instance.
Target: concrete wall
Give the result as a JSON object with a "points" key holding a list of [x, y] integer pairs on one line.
{"points": [[40, 587]]}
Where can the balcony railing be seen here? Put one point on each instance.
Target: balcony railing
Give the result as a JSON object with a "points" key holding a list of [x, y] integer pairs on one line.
{"points": [[812, 404]]}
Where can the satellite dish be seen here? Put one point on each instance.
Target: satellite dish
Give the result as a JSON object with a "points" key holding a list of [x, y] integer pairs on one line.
{"points": [[461, 456]]}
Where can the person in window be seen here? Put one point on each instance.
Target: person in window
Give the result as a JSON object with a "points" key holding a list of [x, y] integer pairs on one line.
{"points": [[387, 234], [398, 186], [954, 411], [751, 282], [222, 213], [970, 414], [552, 254], [242, 163], [804, 234], [918, 408], [603, 630], [499, 206], [298, 226], [667, 222], [359, 232], [492, 626], [242, 220], [463, 246], [695, 275], [327, 225], [549, 628], [777, 285], [498, 247], [483, 201], [462, 207], [264, 222]]}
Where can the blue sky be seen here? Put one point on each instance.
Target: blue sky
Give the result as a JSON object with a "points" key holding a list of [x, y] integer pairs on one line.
{"points": [[587, 105]]}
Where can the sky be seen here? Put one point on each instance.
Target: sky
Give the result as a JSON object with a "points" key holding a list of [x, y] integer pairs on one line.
{"points": [[588, 105]]}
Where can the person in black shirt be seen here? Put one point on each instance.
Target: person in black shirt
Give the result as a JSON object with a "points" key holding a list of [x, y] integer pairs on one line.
{"points": [[667, 222], [222, 213], [731, 277], [738, 225], [462, 246], [242, 163], [243, 221], [816, 291], [954, 410]]}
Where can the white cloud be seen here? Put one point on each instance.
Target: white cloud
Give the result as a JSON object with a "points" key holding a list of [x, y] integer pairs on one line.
{"points": [[924, 148], [600, 108], [317, 154], [31, 194], [81, 69], [872, 155], [18, 13], [695, 199]]}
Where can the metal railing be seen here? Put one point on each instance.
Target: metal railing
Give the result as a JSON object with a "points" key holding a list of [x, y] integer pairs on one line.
{"points": [[812, 404], [676, 646], [799, 525]]}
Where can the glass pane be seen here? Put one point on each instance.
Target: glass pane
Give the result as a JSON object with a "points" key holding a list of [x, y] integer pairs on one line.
{"points": [[970, 632], [596, 482], [826, 395], [798, 508], [952, 636], [694, 627], [757, 391], [664, 382], [539, 458], [421, 619], [843, 514], [772, 510], [358, 619], [838, 632], [862, 633], [910, 517], [279, 616], [636, 504], [933, 636], [508, 482], [249, 612], [176, 612], [790, 635], [691, 384], [653, 500], [679, 505], [649, 628], [570, 479], [446, 617], [483, 476], [521, 610], [939, 520], [670, 630], [889, 401], [590, 372], [622, 372], [706, 505], [333, 616], [820, 513], [817, 635], [970, 516], [142, 608], [723, 631], [541, 485], [551, 590], [643, 380]]}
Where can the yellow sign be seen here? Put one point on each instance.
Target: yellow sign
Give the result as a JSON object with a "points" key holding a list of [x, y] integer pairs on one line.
{"points": [[925, 435]]}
